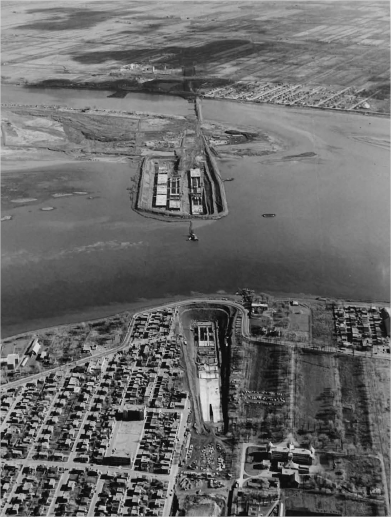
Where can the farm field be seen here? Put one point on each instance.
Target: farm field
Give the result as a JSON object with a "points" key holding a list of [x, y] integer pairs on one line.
{"points": [[315, 50]]}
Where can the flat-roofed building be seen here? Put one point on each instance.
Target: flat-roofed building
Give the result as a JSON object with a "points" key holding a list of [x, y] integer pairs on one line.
{"points": [[161, 189], [162, 178], [24, 361], [163, 167], [206, 334], [298, 455], [161, 200], [174, 204], [12, 361], [195, 181], [175, 185], [35, 348], [197, 207], [258, 308]]}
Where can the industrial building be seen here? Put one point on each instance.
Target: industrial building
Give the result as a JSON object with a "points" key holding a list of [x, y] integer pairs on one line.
{"points": [[161, 187], [290, 453], [196, 191], [11, 361], [34, 347], [131, 413], [205, 334], [167, 187], [258, 308]]}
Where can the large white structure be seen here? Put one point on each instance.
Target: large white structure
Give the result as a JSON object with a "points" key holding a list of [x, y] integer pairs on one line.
{"points": [[208, 371]]}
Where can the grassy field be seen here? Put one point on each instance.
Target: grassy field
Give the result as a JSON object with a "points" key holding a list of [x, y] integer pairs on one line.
{"points": [[267, 368], [334, 44], [317, 404], [301, 503], [65, 344], [378, 381]]}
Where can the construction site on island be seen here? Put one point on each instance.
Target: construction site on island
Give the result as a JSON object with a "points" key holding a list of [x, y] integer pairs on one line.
{"points": [[187, 186]]}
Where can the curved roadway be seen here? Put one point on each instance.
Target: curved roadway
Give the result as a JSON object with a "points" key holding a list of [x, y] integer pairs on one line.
{"points": [[127, 339]]}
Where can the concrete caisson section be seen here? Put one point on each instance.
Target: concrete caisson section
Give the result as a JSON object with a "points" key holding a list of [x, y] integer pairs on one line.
{"points": [[206, 330]]}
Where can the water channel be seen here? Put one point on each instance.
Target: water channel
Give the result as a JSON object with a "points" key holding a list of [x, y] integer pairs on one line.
{"points": [[93, 255]]}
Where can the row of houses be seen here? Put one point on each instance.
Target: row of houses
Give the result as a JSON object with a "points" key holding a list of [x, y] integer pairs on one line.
{"points": [[76, 412], [76, 490], [158, 442], [156, 353], [33, 491], [59, 431], [28, 407], [131, 496], [151, 324], [8, 476], [359, 326]]}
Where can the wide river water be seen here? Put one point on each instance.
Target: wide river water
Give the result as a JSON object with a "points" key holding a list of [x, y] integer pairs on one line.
{"points": [[90, 257]]}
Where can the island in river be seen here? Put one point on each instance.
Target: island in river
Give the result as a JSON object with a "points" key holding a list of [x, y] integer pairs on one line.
{"points": [[95, 253]]}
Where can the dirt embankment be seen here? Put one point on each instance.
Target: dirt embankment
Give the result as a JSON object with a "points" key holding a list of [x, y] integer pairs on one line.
{"points": [[84, 134], [220, 205]]}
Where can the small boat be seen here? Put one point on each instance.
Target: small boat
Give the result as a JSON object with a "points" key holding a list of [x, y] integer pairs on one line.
{"points": [[268, 215], [192, 236]]}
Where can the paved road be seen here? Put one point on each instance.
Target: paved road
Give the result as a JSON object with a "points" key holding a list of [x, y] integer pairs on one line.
{"points": [[126, 341], [93, 357], [213, 301]]}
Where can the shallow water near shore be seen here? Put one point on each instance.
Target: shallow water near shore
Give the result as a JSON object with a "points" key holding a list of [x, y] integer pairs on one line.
{"points": [[100, 99], [330, 236]]}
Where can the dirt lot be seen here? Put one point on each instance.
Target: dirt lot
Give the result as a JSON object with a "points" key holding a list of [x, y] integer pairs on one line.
{"points": [[83, 135], [318, 412], [266, 368], [334, 44]]}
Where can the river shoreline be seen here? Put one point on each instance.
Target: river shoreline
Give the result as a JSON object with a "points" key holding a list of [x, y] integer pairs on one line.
{"points": [[305, 249], [101, 313], [189, 95]]}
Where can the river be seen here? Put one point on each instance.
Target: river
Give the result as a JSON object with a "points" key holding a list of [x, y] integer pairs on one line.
{"points": [[100, 99], [93, 255]]}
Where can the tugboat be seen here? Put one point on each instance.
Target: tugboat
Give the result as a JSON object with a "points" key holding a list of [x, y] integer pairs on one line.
{"points": [[192, 236], [229, 179]]}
